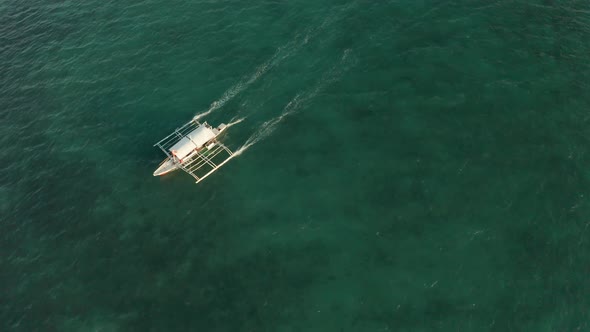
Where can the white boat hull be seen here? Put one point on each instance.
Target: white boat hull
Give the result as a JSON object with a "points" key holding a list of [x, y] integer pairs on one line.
{"points": [[167, 166]]}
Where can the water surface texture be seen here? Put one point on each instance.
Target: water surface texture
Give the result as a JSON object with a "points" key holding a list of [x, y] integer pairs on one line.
{"points": [[403, 166]]}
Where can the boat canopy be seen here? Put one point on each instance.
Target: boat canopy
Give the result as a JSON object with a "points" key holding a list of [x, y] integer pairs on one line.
{"points": [[193, 140]]}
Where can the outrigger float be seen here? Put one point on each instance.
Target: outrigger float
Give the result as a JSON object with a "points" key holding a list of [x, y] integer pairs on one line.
{"points": [[194, 148]]}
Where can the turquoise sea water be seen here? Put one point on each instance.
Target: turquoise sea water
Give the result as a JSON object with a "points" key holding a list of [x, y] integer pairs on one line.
{"points": [[404, 166]]}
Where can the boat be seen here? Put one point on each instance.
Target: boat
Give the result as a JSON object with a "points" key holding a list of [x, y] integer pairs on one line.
{"points": [[195, 149]]}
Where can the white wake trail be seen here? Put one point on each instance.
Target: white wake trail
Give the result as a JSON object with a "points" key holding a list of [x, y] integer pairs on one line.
{"points": [[269, 126], [233, 91], [281, 54], [235, 122], [300, 99]]}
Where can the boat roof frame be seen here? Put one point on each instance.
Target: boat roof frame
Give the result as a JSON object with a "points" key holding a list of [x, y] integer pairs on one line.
{"points": [[167, 142]]}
